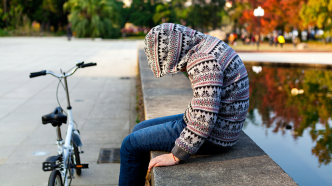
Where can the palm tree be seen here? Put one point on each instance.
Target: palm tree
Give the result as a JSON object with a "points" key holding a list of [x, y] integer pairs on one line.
{"points": [[94, 18]]}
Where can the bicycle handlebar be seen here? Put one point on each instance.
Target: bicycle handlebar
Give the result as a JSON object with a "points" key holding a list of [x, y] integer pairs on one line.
{"points": [[78, 65], [88, 65], [36, 74]]}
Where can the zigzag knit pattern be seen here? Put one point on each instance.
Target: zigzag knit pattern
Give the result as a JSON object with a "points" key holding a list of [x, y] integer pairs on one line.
{"points": [[218, 77]]}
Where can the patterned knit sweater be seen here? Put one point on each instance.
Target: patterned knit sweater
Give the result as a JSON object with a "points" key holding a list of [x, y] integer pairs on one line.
{"points": [[219, 80]]}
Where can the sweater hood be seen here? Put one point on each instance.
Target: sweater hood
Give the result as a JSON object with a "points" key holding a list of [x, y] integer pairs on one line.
{"points": [[167, 45]]}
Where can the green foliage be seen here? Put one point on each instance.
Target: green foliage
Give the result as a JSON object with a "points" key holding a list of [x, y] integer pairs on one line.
{"points": [[141, 13], [162, 14], [200, 15], [47, 12], [1, 15], [3, 33], [13, 16], [318, 12], [204, 15], [94, 18], [18, 23], [123, 12], [49, 6]]}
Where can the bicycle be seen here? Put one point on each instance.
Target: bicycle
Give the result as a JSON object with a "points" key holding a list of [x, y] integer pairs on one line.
{"points": [[68, 160]]}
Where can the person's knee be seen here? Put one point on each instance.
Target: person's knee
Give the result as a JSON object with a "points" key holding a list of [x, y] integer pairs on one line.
{"points": [[136, 128], [139, 126], [126, 145]]}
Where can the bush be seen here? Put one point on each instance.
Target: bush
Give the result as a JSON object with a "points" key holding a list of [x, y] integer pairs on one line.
{"points": [[94, 18], [3, 33]]}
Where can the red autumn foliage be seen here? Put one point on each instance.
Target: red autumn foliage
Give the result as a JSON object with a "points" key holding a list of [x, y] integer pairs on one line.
{"points": [[278, 14]]}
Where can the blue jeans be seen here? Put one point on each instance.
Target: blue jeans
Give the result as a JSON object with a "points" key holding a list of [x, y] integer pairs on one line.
{"points": [[157, 134]]}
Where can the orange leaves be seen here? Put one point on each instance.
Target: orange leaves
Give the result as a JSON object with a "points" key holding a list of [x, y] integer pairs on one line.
{"points": [[278, 14]]}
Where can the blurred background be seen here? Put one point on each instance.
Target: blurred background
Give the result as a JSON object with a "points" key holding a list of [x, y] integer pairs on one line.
{"points": [[303, 24], [289, 115]]}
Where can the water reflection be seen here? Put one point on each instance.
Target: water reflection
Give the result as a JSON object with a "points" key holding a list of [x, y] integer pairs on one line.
{"points": [[296, 99]]}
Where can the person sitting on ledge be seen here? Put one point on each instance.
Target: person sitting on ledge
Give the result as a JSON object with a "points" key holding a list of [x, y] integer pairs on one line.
{"points": [[215, 115]]}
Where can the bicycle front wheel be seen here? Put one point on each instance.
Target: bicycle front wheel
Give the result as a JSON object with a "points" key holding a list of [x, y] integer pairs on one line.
{"points": [[55, 179], [77, 160]]}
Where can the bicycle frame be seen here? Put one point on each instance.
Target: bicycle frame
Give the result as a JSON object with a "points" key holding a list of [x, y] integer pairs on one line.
{"points": [[67, 148]]}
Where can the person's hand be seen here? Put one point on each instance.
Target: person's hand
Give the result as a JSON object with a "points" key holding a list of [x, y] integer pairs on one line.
{"points": [[162, 160]]}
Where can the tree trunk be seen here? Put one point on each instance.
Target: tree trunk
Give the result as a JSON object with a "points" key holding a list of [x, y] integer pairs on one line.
{"points": [[215, 18], [215, 22], [48, 26], [236, 23], [42, 26], [4, 6]]}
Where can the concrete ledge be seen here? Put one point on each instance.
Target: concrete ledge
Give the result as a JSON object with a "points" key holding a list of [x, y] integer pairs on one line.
{"points": [[244, 164]]}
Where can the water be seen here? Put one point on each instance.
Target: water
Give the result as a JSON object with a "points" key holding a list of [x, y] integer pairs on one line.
{"points": [[289, 117]]}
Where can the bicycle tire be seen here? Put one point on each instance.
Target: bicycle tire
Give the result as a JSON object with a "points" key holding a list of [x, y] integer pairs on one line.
{"points": [[77, 160], [55, 179]]}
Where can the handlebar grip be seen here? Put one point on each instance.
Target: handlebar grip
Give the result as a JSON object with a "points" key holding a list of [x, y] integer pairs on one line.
{"points": [[88, 65], [36, 74]]}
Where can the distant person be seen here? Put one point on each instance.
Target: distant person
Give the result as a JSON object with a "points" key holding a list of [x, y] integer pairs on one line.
{"points": [[215, 115], [270, 36], [235, 36], [257, 39], [227, 38], [295, 41], [247, 40], [231, 38], [253, 39], [69, 32], [275, 40], [281, 40], [243, 38]]}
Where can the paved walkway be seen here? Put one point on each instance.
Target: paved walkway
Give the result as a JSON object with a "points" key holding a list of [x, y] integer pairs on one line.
{"points": [[103, 104]]}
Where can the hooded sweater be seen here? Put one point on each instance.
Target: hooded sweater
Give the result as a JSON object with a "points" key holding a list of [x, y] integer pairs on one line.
{"points": [[218, 78]]}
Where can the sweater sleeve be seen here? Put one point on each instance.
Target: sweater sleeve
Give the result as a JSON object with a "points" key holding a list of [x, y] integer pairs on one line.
{"points": [[207, 79]]}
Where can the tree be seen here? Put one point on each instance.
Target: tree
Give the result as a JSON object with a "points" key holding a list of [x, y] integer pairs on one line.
{"points": [[278, 14], [179, 12], [162, 14], [236, 11], [47, 12], [141, 13], [4, 6], [292, 14], [94, 18], [124, 12], [318, 13], [205, 14], [215, 8], [11, 16]]}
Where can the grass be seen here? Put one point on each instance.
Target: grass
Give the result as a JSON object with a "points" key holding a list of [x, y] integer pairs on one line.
{"points": [[133, 37]]}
